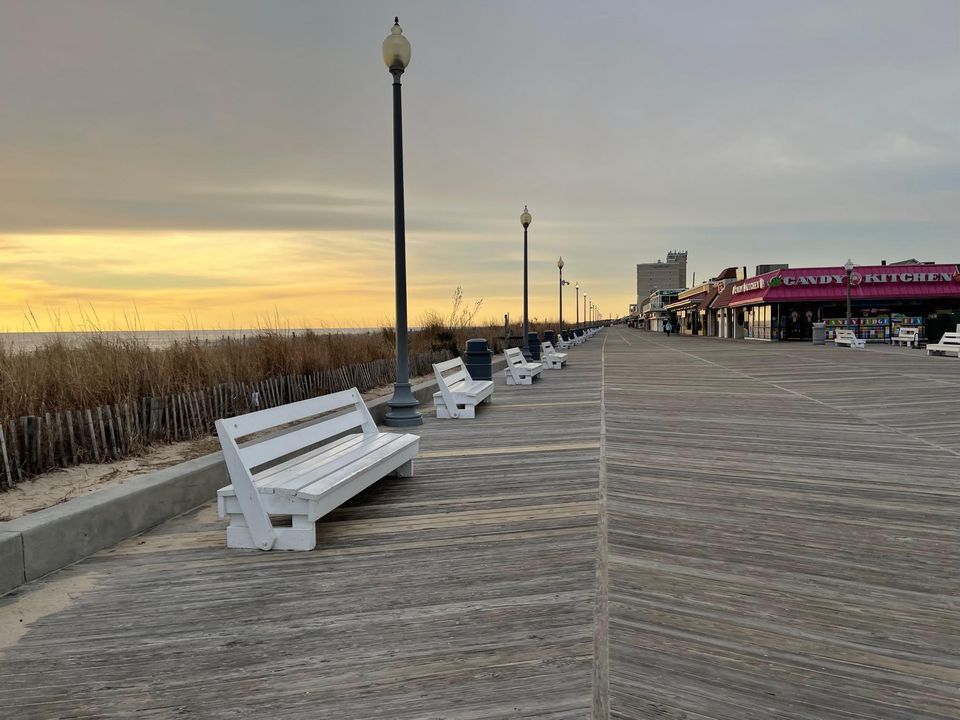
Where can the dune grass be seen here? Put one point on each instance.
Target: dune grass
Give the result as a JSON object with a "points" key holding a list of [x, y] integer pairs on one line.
{"points": [[110, 370]]}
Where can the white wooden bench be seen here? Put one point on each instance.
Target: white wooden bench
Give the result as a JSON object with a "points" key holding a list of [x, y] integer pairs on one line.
{"points": [[552, 360], [459, 393], [518, 370], [908, 336], [949, 345], [847, 337], [564, 344], [282, 483]]}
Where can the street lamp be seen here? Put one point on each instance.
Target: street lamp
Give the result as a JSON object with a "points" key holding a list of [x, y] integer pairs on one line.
{"points": [[576, 303], [403, 405], [848, 266], [525, 220], [562, 283], [585, 321]]}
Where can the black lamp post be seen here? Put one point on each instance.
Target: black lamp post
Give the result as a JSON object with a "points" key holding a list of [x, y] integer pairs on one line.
{"points": [[585, 321], [560, 267], [576, 303], [403, 405], [525, 220], [848, 266]]}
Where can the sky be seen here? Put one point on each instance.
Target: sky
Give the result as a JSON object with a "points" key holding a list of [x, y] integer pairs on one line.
{"points": [[229, 163]]}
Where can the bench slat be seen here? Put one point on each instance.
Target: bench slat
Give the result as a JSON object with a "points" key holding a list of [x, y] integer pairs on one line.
{"points": [[394, 446], [314, 466], [266, 450], [242, 425], [268, 476], [274, 474]]}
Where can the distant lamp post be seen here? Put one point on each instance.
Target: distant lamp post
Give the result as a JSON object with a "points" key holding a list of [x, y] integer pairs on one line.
{"points": [[848, 266], [576, 304], [403, 405], [585, 321], [525, 220], [562, 283]]}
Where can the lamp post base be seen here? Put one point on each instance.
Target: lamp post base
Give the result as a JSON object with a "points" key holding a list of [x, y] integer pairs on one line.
{"points": [[403, 408]]}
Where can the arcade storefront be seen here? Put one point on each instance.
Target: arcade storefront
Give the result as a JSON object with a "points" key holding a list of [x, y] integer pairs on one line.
{"points": [[784, 304]]}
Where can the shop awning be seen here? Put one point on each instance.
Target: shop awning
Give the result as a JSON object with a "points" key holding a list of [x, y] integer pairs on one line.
{"points": [[829, 284], [724, 295], [685, 304], [708, 298]]}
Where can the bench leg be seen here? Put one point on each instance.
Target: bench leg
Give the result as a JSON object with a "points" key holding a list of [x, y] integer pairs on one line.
{"points": [[302, 536], [467, 412], [238, 534], [405, 470]]}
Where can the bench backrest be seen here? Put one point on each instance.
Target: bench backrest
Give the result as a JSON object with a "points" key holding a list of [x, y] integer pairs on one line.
{"points": [[297, 439], [845, 334], [950, 338], [459, 373], [547, 348], [908, 332], [514, 357]]}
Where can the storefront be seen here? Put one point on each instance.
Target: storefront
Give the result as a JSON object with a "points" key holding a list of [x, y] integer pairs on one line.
{"points": [[690, 310], [784, 304]]}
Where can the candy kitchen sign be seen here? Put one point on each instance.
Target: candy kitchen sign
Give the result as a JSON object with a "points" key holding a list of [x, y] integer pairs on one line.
{"points": [[867, 278]]}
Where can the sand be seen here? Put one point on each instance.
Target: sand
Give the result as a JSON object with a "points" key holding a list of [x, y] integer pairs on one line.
{"points": [[58, 486]]}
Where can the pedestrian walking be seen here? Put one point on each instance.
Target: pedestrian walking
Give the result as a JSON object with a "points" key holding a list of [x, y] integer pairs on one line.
{"points": [[667, 328]]}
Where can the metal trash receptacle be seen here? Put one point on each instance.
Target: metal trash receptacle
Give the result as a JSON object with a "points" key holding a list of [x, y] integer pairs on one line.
{"points": [[478, 359], [819, 333]]}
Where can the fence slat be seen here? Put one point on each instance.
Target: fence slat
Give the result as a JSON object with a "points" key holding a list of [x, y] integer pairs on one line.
{"points": [[92, 436], [7, 472]]}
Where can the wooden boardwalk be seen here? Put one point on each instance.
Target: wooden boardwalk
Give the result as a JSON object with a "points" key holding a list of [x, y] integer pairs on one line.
{"points": [[667, 528]]}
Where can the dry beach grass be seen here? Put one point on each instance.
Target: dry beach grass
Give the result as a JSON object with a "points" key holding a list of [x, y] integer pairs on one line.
{"points": [[114, 370]]}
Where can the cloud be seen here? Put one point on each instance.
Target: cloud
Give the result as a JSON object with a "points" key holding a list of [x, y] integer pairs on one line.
{"points": [[234, 153]]}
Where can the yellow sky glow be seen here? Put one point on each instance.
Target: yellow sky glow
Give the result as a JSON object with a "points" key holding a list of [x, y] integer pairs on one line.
{"points": [[228, 280]]}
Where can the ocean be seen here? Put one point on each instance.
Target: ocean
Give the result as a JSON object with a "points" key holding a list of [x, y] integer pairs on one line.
{"points": [[27, 341]]}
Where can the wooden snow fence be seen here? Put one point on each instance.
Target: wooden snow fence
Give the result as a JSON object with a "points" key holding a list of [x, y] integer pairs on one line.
{"points": [[35, 444]]}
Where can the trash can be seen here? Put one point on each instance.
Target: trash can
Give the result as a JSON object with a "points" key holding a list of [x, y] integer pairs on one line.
{"points": [[478, 359], [550, 336], [534, 341], [819, 333]]}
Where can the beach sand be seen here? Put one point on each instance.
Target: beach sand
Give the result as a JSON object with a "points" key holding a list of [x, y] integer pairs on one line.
{"points": [[61, 485]]}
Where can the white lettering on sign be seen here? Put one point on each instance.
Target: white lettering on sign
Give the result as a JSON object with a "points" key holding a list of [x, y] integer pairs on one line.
{"points": [[869, 278], [747, 287]]}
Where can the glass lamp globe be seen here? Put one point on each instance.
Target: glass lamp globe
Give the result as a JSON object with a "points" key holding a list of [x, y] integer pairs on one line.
{"points": [[396, 48], [525, 217], [560, 263], [848, 265]]}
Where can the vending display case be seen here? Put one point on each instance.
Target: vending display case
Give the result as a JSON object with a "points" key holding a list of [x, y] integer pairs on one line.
{"points": [[899, 320], [871, 329]]}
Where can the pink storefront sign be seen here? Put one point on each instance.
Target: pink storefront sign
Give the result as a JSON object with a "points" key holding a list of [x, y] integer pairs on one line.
{"points": [[867, 282]]}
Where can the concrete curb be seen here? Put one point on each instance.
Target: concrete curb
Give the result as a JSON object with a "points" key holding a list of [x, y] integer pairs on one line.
{"points": [[37, 544]]}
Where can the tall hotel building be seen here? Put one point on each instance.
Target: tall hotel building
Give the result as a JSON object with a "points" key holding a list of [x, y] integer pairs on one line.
{"points": [[659, 275]]}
